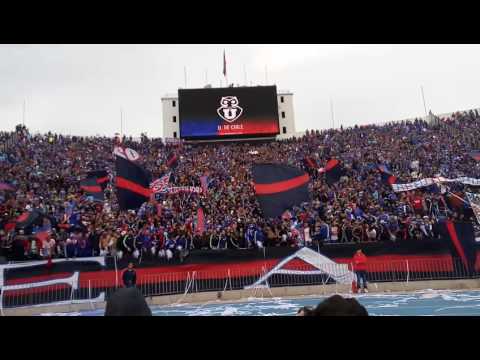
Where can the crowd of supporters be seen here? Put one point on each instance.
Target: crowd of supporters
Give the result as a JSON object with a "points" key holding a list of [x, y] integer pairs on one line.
{"points": [[45, 170]]}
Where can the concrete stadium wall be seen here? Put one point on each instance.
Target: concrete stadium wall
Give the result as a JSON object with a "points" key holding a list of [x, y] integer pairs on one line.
{"points": [[242, 295]]}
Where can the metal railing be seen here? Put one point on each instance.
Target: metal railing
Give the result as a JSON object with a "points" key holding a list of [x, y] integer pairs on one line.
{"points": [[93, 290]]}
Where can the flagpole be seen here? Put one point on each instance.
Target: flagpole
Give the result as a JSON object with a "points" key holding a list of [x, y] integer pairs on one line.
{"points": [[121, 123], [23, 117], [424, 105], [332, 114]]}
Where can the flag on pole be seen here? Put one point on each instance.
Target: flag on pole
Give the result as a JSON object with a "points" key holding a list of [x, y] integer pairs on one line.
{"points": [[102, 177], [279, 187], [224, 64], [132, 183], [91, 187], [333, 171]]}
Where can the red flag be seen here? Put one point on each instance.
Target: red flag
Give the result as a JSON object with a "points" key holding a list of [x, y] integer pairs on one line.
{"points": [[200, 221], [224, 64]]}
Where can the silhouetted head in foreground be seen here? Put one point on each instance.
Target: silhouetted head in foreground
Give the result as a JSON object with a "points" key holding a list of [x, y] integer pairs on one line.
{"points": [[127, 302], [305, 311], [336, 305]]}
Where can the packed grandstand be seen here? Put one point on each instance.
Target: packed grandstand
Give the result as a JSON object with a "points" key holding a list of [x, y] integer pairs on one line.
{"points": [[43, 174]]}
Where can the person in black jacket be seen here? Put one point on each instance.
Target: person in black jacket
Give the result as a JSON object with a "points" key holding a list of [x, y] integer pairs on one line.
{"points": [[129, 276], [93, 239]]}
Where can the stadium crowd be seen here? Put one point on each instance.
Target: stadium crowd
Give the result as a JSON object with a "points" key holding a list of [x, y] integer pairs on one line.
{"points": [[45, 170]]}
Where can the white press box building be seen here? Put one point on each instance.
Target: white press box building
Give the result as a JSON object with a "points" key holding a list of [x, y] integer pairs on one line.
{"points": [[286, 116]]}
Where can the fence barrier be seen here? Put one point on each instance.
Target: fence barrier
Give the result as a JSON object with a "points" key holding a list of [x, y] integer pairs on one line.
{"points": [[92, 290]]}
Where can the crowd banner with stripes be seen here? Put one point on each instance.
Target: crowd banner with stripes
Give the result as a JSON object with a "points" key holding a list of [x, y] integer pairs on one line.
{"points": [[279, 187], [436, 180]]}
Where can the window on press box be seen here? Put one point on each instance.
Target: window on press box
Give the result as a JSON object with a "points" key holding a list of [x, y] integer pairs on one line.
{"points": [[284, 129], [281, 99], [174, 119], [174, 103], [175, 134], [283, 114]]}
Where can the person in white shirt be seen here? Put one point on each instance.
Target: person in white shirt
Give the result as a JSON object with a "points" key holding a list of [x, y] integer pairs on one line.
{"points": [[48, 247], [371, 234]]}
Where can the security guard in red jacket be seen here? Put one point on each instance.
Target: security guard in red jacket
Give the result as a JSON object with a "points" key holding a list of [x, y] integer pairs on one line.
{"points": [[360, 267]]}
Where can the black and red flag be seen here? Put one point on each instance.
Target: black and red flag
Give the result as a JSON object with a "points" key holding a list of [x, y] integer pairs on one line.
{"points": [[172, 160], [28, 219], [333, 171], [92, 188], [454, 201], [133, 184], [310, 163], [101, 177], [279, 187], [462, 237], [387, 177]]}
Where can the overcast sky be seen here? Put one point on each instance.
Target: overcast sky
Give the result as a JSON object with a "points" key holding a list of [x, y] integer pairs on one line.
{"points": [[79, 89]]}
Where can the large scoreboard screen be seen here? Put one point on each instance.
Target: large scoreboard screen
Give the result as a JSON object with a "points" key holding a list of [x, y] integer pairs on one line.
{"points": [[228, 112]]}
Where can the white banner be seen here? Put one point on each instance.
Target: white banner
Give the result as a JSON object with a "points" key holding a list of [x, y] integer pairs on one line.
{"points": [[181, 189], [126, 153], [430, 181], [174, 141]]}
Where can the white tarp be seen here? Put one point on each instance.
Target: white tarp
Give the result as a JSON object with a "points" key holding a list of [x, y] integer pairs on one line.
{"points": [[338, 272]]}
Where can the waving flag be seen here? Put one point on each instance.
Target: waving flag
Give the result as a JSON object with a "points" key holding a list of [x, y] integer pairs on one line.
{"points": [[27, 219], [333, 171], [462, 237], [172, 160], [310, 163], [92, 188], [161, 185], [133, 184], [279, 187], [101, 177]]}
